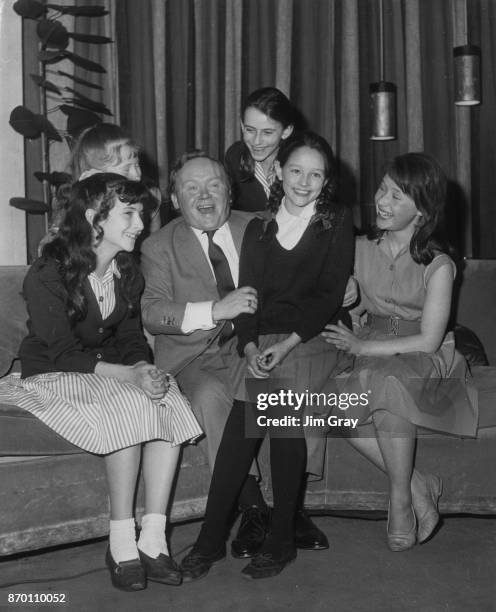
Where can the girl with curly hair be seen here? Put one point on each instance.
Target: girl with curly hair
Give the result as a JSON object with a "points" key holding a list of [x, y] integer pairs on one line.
{"points": [[87, 373], [299, 262]]}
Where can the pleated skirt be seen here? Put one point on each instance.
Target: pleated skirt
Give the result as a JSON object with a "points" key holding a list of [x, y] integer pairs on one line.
{"points": [[305, 370], [99, 414], [430, 390]]}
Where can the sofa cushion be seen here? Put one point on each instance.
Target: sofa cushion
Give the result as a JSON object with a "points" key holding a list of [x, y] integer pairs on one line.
{"points": [[13, 314], [21, 433], [475, 300], [485, 383]]}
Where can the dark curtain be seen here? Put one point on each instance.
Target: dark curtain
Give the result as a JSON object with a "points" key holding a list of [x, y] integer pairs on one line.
{"points": [[483, 32], [333, 57]]}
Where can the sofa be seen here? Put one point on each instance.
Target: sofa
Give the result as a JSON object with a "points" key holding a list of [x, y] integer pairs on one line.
{"points": [[53, 493]]}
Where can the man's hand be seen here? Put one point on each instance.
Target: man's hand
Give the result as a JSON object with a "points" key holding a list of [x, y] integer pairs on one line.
{"points": [[242, 300]]}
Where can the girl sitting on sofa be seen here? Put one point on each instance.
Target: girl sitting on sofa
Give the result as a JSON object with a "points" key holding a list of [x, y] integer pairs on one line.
{"points": [[86, 370], [403, 354], [298, 261]]}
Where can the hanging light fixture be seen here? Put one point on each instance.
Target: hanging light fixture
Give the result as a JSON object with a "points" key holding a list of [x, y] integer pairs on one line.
{"points": [[382, 96], [467, 71]]}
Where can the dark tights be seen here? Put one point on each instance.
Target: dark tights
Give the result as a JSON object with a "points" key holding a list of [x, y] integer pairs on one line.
{"points": [[234, 457]]}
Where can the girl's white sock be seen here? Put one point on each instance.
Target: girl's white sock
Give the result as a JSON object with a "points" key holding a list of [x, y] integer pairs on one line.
{"points": [[122, 540], [152, 538]]}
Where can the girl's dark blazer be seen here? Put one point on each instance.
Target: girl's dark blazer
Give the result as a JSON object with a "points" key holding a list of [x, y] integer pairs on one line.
{"points": [[53, 344], [247, 195]]}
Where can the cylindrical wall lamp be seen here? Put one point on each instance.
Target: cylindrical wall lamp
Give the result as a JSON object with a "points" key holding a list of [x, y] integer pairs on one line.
{"points": [[383, 110], [382, 96], [467, 75]]}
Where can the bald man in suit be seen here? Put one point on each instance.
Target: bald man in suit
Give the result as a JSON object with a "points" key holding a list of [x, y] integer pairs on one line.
{"points": [[188, 306]]}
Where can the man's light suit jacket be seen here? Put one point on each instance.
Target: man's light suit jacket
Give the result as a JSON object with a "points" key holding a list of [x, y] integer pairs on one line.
{"points": [[176, 272]]}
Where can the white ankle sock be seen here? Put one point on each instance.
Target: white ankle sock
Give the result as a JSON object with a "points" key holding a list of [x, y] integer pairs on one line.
{"points": [[152, 537], [122, 540]]}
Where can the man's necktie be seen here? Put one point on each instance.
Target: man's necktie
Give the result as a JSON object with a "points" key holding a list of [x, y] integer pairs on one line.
{"points": [[223, 276]]}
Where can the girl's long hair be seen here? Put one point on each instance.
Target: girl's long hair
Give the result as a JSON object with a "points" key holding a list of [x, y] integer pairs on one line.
{"points": [[324, 208], [271, 102], [73, 247], [421, 177]]}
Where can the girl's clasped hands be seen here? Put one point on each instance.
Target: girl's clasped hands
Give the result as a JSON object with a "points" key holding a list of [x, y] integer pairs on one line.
{"points": [[150, 379]]}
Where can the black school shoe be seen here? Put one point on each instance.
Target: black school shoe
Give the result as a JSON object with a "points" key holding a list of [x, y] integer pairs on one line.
{"points": [[267, 564], [307, 535], [161, 569], [126, 575], [197, 563], [253, 528]]}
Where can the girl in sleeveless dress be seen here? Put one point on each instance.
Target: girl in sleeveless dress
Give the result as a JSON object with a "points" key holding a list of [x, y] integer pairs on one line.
{"points": [[87, 374], [405, 362]]}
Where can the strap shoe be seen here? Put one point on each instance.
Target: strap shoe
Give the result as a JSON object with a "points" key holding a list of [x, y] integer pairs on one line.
{"points": [[126, 575], [161, 569]]}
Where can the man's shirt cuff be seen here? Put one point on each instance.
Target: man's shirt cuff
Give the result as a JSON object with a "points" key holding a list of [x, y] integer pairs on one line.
{"points": [[197, 315]]}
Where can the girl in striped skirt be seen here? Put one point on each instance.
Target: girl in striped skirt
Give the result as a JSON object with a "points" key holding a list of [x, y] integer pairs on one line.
{"points": [[86, 369]]}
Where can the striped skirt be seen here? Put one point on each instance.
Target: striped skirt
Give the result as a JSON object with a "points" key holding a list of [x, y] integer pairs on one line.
{"points": [[99, 414]]}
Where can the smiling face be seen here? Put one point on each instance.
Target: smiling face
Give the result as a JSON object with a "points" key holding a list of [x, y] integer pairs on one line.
{"points": [[261, 134], [121, 228], [303, 176], [395, 210], [201, 193]]}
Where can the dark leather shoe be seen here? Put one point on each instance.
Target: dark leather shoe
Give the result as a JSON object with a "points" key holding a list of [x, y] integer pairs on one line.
{"points": [[197, 564], [251, 534], [162, 569], [266, 564], [307, 535], [126, 575]]}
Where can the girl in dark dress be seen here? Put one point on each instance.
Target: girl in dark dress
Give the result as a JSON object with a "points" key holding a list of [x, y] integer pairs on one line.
{"points": [[267, 119], [87, 374], [299, 262]]}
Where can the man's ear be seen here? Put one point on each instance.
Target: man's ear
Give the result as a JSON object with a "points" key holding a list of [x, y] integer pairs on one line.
{"points": [[286, 133], [90, 215], [174, 201], [277, 168]]}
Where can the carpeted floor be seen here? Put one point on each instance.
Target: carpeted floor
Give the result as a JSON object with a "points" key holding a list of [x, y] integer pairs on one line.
{"points": [[454, 572]]}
